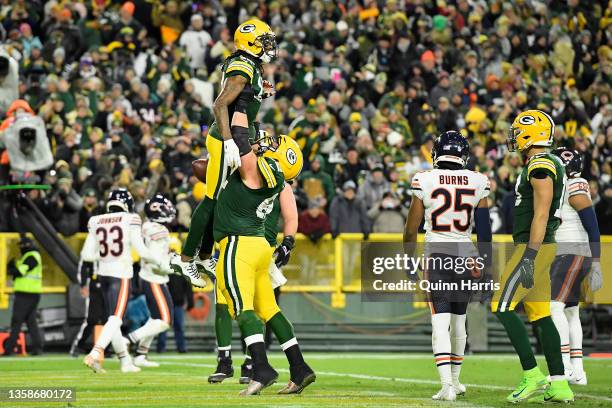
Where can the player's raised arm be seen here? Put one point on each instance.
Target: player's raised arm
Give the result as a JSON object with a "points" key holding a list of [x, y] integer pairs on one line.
{"points": [[289, 213], [232, 88]]}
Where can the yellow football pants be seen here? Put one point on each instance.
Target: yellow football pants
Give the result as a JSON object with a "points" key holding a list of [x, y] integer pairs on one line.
{"points": [[216, 172], [535, 300], [243, 280]]}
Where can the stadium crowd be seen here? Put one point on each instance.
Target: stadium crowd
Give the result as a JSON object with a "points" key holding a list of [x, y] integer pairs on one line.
{"points": [[126, 90]]}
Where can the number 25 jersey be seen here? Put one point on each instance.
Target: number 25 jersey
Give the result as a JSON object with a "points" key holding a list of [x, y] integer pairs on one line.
{"points": [[109, 241], [449, 198]]}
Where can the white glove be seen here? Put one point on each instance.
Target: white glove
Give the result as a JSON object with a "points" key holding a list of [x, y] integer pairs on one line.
{"points": [[595, 278], [276, 276], [232, 154]]}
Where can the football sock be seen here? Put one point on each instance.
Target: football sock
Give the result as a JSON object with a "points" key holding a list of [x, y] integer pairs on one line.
{"points": [[575, 338], [458, 339], [112, 325], [517, 333], [441, 344], [199, 220], [558, 315], [551, 345], [223, 330], [151, 328], [283, 329], [252, 330], [144, 345], [120, 347]]}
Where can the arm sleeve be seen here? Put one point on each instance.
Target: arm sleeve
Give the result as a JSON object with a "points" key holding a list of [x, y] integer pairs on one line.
{"points": [[541, 165], [415, 186], [578, 186], [240, 67], [484, 234], [90, 251], [589, 221]]}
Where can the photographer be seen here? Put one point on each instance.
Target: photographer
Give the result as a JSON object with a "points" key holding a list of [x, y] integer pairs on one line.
{"points": [[64, 206], [27, 284]]}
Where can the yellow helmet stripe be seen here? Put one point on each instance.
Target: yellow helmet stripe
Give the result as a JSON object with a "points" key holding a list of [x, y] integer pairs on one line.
{"points": [[266, 171]]}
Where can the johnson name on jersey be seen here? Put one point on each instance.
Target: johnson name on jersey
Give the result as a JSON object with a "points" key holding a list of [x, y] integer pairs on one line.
{"points": [[450, 198], [571, 229], [110, 240], [157, 239]]}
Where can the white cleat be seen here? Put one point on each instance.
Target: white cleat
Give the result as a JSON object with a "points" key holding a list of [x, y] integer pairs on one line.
{"points": [[95, 365], [129, 368], [143, 361], [459, 388], [188, 269], [207, 266], [578, 378], [447, 393]]}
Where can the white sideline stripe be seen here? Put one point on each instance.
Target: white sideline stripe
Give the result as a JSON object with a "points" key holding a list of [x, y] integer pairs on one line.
{"points": [[398, 379]]}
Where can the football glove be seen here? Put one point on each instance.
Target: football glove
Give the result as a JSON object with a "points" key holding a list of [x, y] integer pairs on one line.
{"points": [[526, 268], [231, 154], [283, 251], [595, 278]]}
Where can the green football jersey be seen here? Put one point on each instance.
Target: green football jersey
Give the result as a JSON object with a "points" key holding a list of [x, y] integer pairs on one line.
{"points": [[241, 210], [523, 208], [271, 224], [238, 64]]}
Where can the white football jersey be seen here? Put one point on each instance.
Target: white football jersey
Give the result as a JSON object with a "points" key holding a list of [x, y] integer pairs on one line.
{"points": [[110, 240], [571, 229], [157, 239], [450, 198]]}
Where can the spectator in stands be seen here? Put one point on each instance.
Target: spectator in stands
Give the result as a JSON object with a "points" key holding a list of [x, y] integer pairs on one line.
{"points": [[348, 212], [374, 187], [64, 206], [9, 81], [388, 215], [90, 208], [316, 181], [196, 41], [313, 222]]}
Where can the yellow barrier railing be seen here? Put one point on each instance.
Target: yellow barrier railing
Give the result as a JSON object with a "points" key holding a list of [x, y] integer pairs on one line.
{"points": [[328, 266]]}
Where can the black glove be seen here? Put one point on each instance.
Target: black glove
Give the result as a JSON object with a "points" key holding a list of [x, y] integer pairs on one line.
{"points": [[366, 235], [12, 270], [315, 236], [283, 251], [526, 268]]}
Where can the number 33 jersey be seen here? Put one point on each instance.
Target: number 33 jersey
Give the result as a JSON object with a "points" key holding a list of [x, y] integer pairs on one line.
{"points": [[110, 240], [450, 198]]}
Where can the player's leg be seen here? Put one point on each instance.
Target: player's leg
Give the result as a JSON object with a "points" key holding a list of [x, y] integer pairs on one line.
{"points": [[223, 332], [440, 307], [301, 375], [537, 308], [161, 309], [236, 276], [116, 293], [458, 337], [504, 301], [575, 327], [561, 271]]}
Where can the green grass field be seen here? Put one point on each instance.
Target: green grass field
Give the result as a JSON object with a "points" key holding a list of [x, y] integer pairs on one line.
{"points": [[346, 379]]}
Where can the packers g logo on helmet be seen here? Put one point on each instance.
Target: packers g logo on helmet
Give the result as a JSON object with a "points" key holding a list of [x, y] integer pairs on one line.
{"points": [[531, 128], [289, 157], [256, 38]]}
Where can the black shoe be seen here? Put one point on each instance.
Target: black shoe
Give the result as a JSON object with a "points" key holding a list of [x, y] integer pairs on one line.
{"points": [[246, 372], [301, 377], [224, 370], [263, 376]]}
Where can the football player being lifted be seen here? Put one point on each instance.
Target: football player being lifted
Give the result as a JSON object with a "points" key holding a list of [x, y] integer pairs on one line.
{"points": [[450, 197], [160, 212], [235, 110], [578, 251], [526, 277]]}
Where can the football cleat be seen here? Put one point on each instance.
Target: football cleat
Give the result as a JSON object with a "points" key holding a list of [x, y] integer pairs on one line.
{"points": [[246, 372], [578, 378], [263, 377], [95, 365], [224, 370], [142, 361], [459, 388], [532, 383], [187, 269], [129, 368], [559, 391], [446, 393], [207, 267], [301, 377]]}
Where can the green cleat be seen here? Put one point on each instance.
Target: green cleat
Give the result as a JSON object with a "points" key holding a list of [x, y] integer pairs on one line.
{"points": [[533, 382], [559, 391]]}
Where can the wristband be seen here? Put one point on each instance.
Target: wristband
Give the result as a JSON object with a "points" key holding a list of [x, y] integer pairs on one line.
{"points": [[530, 253], [289, 241]]}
